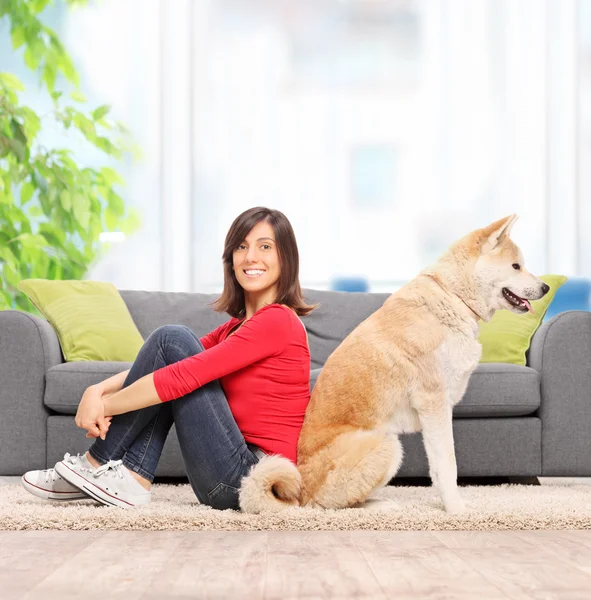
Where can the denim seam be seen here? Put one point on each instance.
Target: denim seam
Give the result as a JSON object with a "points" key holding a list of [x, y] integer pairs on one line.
{"points": [[137, 416], [148, 438], [137, 469]]}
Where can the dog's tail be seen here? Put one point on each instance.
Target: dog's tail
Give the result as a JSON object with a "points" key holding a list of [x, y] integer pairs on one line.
{"points": [[273, 484]]}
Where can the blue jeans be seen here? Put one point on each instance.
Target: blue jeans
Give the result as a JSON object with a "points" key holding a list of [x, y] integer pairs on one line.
{"points": [[214, 451]]}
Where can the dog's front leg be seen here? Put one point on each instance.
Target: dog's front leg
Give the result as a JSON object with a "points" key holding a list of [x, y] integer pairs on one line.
{"points": [[439, 445]]}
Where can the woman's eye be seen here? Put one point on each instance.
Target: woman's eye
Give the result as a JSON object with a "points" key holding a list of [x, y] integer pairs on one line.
{"points": [[266, 246], [516, 266]]}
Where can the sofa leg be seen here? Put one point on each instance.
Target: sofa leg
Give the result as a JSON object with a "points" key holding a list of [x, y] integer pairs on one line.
{"points": [[525, 480]]}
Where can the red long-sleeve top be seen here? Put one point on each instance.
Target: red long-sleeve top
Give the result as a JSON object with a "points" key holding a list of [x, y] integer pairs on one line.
{"points": [[264, 370]]}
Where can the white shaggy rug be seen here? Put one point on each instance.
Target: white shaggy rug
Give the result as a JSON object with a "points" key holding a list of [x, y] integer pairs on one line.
{"points": [[174, 507]]}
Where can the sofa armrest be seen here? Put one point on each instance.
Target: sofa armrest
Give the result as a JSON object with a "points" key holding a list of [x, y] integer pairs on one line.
{"points": [[28, 348], [561, 352]]}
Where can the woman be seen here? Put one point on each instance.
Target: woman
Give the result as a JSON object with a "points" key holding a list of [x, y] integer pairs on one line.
{"points": [[236, 394]]}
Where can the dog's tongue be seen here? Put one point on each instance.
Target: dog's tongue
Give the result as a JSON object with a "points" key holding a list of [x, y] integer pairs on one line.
{"points": [[528, 305]]}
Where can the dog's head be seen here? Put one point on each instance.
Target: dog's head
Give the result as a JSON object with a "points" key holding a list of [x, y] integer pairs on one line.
{"points": [[499, 270]]}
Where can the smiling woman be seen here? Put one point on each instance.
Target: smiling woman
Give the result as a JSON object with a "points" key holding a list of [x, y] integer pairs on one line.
{"points": [[261, 265], [256, 267], [236, 395]]}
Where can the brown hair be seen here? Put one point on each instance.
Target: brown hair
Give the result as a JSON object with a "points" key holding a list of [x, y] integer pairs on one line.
{"points": [[289, 291]]}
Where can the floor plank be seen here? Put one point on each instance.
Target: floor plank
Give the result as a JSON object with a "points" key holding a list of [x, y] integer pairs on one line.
{"points": [[214, 564], [519, 565], [411, 564], [114, 565], [574, 547], [27, 557], [322, 564]]}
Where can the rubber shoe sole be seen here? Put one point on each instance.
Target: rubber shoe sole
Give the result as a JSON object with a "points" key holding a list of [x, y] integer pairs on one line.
{"points": [[104, 494]]}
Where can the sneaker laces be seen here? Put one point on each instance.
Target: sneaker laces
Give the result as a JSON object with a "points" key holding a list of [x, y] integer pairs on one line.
{"points": [[51, 474], [72, 459], [113, 466]]}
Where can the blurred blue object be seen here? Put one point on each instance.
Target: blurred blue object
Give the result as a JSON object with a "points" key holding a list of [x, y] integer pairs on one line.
{"points": [[574, 294], [349, 284]]}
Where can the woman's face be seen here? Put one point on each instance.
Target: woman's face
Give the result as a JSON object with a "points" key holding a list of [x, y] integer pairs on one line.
{"points": [[256, 261]]}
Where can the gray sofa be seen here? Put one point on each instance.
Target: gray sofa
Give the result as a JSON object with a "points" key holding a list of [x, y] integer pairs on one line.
{"points": [[512, 421]]}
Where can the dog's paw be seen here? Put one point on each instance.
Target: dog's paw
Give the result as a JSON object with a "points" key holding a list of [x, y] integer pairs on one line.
{"points": [[455, 506]]}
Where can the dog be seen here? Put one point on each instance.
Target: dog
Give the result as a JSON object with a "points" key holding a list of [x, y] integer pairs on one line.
{"points": [[402, 370]]}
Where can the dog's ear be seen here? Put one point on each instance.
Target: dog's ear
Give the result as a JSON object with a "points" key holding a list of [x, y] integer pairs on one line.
{"points": [[495, 233]]}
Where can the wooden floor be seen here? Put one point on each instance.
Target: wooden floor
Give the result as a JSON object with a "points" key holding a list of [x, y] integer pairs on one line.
{"points": [[156, 565], [283, 565]]}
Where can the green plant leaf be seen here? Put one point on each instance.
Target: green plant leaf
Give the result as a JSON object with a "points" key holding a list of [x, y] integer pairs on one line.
{"points": [[38, 5], [12, 81], [11, 275], [18, 37], [34, 53], [78, 96], [81, 206], [66, 200], [111, 219], [31, 240], [27, 191], [9, 258], [17, 131], [36, 211], [100, 112], [111, 176], [18, 149], [116, 204], [49, 74]]}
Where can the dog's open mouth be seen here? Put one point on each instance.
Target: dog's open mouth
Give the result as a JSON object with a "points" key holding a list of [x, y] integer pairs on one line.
{"points": [[517, 301]]}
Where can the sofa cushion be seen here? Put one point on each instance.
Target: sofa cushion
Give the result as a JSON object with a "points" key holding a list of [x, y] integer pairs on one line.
{"points": [[494, 390], [65, 383], [90, 318], [500, 390]]}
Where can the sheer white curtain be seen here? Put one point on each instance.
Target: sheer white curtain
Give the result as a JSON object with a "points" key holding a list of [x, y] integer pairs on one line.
{"points": [[384, 131], [583, 133]]}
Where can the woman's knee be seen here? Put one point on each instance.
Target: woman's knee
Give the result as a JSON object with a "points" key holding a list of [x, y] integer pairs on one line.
{"points": [[177, 337]]}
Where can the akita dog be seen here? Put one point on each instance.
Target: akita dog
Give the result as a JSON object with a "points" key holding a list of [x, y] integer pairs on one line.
{"points": [[401, 370]]}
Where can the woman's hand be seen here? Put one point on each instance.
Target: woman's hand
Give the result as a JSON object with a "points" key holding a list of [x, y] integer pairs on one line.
{"points": [[91, 413]]}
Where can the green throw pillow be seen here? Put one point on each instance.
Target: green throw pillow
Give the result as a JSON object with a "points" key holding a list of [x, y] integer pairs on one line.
{"points": [[90, 318], [506, 337]]}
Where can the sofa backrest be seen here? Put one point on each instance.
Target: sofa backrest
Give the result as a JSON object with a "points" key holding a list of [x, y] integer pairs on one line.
{"points": [[338, 314], [336, 317]]}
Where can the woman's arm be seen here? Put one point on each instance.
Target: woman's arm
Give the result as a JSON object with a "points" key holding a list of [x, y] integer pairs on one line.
{"points": [[261, 336], [265, 334], [113, 384], [139, 394]]}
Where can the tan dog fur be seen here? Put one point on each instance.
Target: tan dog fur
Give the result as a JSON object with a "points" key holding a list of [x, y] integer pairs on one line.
{"points": [[401, 370]]}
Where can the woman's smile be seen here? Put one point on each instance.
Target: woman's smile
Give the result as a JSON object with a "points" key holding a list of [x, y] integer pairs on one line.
{"points": [[253, 273]]}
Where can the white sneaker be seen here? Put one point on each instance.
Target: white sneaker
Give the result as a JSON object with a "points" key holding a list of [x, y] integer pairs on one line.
{"points": [[48, 484], [111, 484]]}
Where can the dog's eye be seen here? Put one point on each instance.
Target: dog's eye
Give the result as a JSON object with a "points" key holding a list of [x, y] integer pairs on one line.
{"points": [[516, 266]]}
